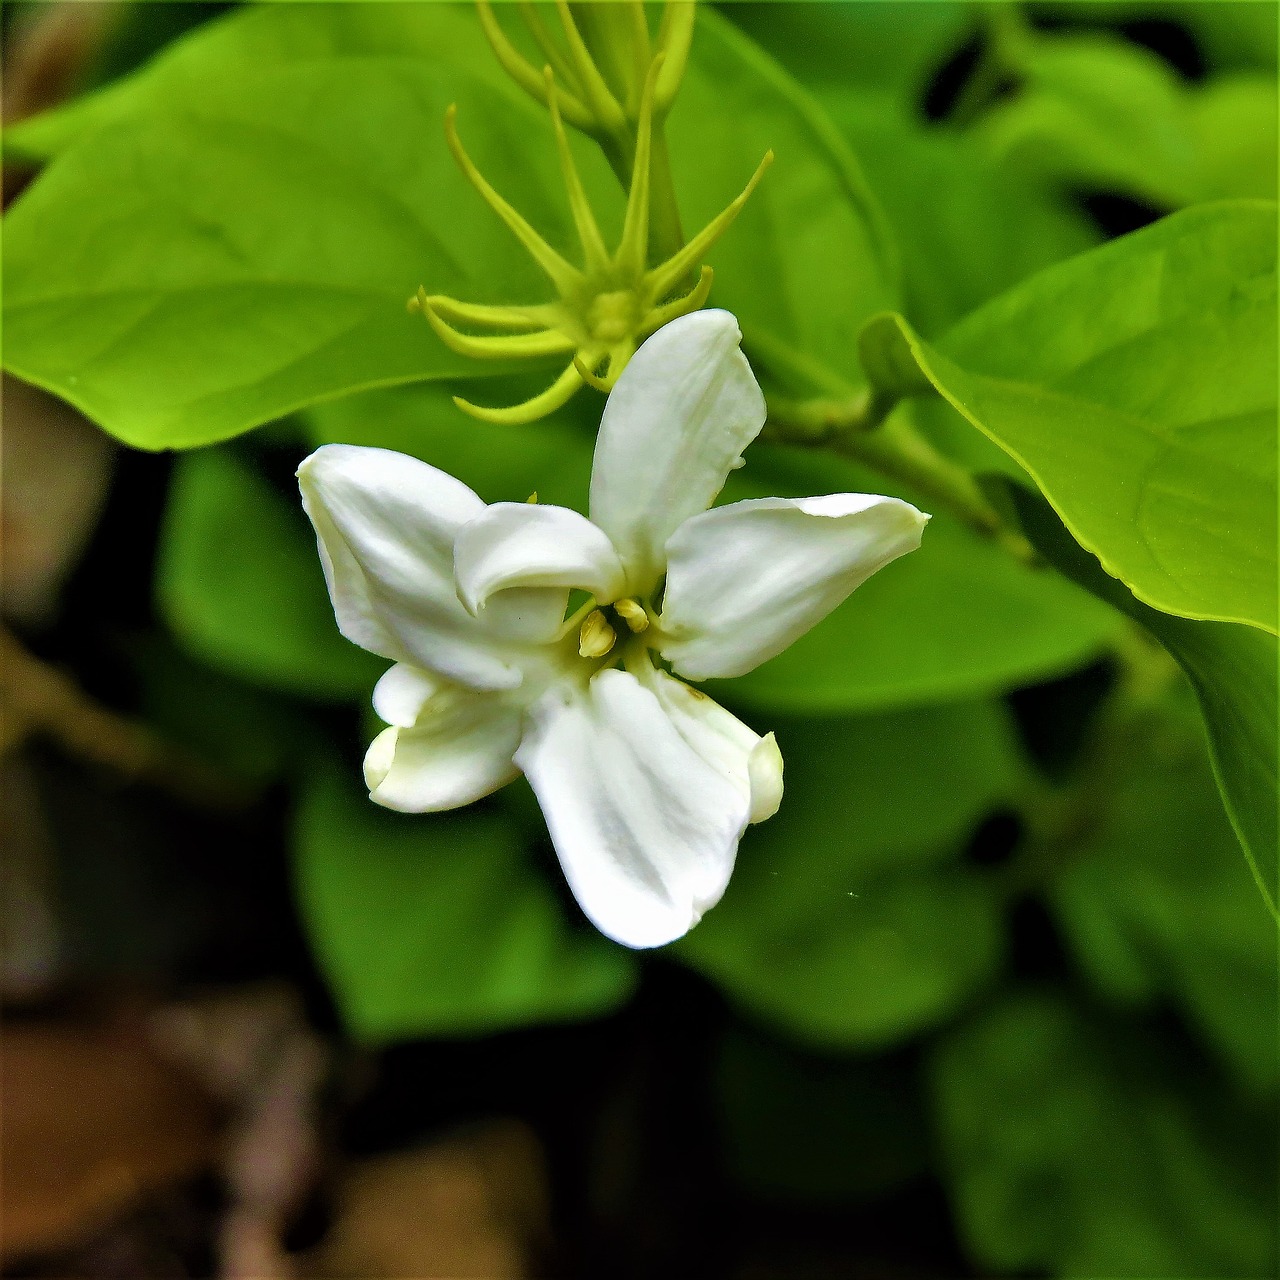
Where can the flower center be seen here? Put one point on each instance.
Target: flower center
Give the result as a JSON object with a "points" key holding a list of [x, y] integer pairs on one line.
{"points": [[601, 628], [613, 316]]}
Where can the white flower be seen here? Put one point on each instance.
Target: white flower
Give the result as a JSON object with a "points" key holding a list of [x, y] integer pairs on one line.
{"points": [[646, 783]]}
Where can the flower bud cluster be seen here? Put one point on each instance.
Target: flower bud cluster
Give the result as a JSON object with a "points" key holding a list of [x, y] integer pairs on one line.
{"points": [[616, 84]]}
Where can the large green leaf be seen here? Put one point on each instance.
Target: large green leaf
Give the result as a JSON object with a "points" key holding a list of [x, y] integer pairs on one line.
{"points": [[1155, 901], [967, 227], [1137, 385], [440, 924], [239, 582], [502, 464], [843, 923], [1084, 1149], [275, 196], [1233, 670], [890, 46], [279, 186], [1231, 34], [1235, 122], [954, 619]]}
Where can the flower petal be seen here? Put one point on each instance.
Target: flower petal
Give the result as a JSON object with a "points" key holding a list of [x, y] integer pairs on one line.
{"points": [[386, 525], [674, 427], [523, 545], [752, 763], [402, 692], [460, 749], [646, 830], [744, 581]]}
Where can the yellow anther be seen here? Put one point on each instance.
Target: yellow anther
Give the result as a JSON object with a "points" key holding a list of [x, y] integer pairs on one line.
{"points": [[597, 637], [532, 498], [632, 612]]}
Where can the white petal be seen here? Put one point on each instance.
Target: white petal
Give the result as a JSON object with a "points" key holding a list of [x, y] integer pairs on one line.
{"points": [[752, 763], [386, 525], [459, 750], [675, 425], [523, 545], [646, 830], [744, 581], [403, 691]]}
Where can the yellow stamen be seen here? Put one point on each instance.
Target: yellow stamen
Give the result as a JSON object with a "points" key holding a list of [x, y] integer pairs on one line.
{"points": [[589, 376], [681, 306], [642, 49], [562, 274], [597, 637], [558, 393], [675, 35], [666, 276], [542, 315], [508, 346], [634, 245], [532, 499], [601, 102], [550, 50], [523, 73], [594, 252], [632, 612]]}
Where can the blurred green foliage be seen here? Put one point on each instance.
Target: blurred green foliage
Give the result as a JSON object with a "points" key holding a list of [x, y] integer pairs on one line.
{"points": [[276, 186]]}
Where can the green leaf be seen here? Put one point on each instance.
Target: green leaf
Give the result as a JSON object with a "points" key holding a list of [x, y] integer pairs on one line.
{"points": [[958, 618], [867, 43], [967, 227], [297, 191], [240, 584], [502, 464], [1235, 120], [1096, 111], [1136, 384], [276, 196], [1231, 34], [1079, 1148], [247, 732], [1156, 903], [1233, 670], [802, 296], [799, 1128], [440, 925], [1235, 33], [842, 925]]}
